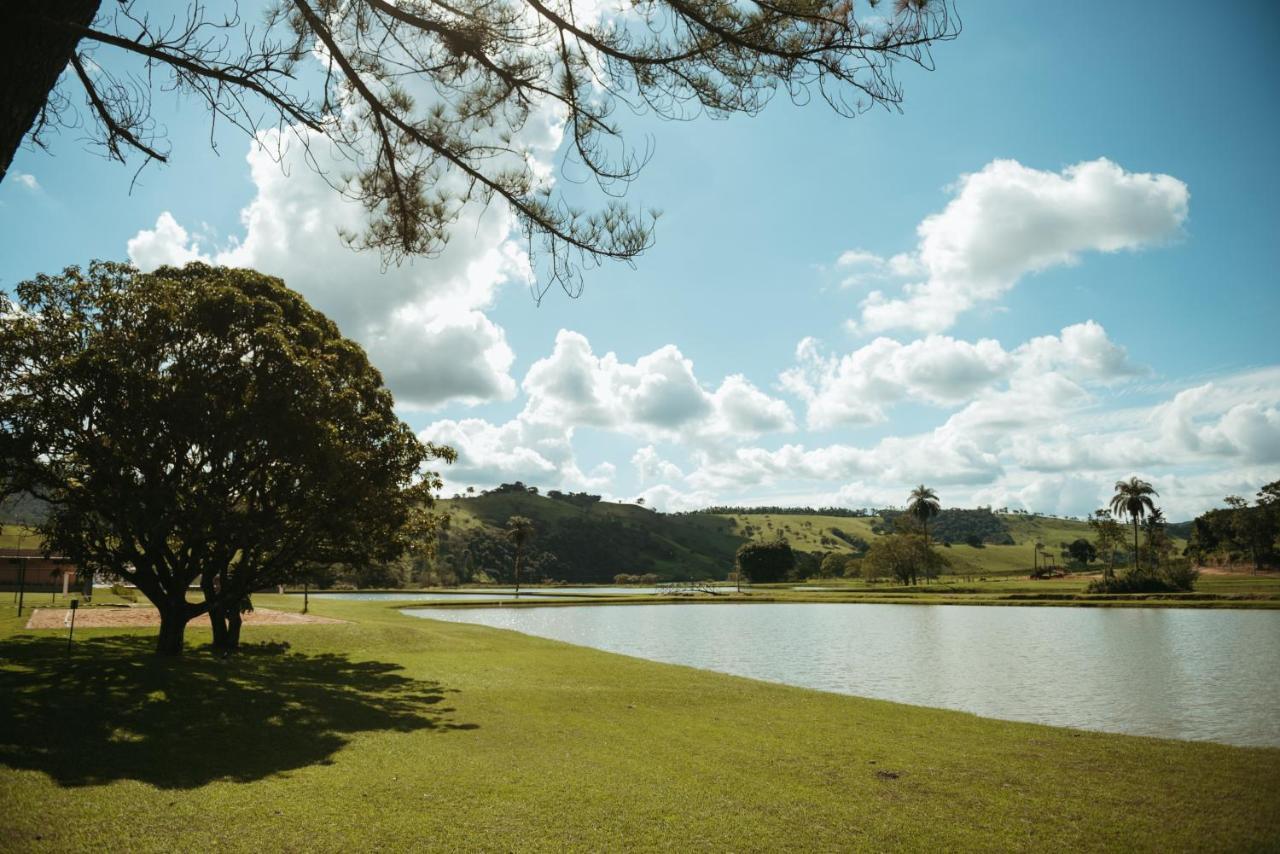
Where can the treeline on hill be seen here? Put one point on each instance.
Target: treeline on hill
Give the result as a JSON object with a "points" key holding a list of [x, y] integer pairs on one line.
{"points": [[977, 527], [726, 510], [1239, 533], [579, 539], [22, 509]]}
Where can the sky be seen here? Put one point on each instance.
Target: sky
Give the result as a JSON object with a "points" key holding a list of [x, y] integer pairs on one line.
{"points": [[1055, 268]]}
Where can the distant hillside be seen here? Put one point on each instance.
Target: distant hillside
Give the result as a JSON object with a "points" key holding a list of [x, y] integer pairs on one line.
{"points": [[588, 541], [583, 539], [22, 509]]}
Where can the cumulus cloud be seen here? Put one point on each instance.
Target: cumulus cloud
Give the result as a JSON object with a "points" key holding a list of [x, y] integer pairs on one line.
{"points": [[650, 466], [657, 395], [422, 322], [27, 182], [1006, 221], [857, 388], [1205, 420]]}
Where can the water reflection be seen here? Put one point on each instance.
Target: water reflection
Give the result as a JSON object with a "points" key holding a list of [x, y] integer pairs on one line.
{"points": [[1210, 675]]}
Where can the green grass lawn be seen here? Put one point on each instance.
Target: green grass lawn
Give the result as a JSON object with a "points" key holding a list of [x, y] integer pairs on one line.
{"points": [[1246, 591], [397, 733], [17, 536]]}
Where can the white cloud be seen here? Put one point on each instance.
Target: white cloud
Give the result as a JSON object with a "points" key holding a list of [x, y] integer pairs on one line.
{"points": [[1040, 376], [1206, 420], [656, 396], [27, 182], [1083, 351], [166, 244], [421, 322], [855, 388], [1008, 220], [650, 466]]}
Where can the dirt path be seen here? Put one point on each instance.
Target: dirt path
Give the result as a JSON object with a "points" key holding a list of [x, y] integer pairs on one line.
{"points": [[95, 618]]}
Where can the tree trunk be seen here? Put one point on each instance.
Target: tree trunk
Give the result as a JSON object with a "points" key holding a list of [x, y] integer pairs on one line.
{"points": [[1136, 557], [234, 621], [33, 52], [173, 623], [218, 620]]}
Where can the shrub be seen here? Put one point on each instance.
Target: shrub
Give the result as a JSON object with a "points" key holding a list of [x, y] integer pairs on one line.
{"points": [[1176, 577], [1182, 575], [763, 563], [124, 592]]}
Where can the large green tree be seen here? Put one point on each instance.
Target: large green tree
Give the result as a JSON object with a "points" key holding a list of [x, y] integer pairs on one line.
{"points": [[201, 424], [424, 101], [765, 563], [1133, 499], [905, 557]]}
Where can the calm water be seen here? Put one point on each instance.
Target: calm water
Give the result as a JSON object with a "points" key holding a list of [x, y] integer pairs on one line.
{"points": [[1204, 675], [472, 595], [425, 596]]}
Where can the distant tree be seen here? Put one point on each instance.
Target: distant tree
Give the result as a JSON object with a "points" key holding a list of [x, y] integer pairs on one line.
{"points": [[765, 563], [906, 557], [1082, 552], [1109, 537], [833, 565], [202, 423], [520, 532], [924, 505], [1133, 499], [1158, 544]]}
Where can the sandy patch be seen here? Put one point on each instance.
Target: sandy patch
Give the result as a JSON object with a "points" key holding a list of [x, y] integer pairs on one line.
{"points": [[1238, 571], [94, 618]]}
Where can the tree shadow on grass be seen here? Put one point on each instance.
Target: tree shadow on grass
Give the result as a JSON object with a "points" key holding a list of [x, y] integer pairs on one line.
{"points": [[111, 710]]}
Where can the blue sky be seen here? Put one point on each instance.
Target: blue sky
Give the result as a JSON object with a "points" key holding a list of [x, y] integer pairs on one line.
{"points": [[1112, 256]]}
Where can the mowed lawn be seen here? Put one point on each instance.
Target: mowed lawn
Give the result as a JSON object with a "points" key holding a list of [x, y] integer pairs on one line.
{"points": [[404, 734]]}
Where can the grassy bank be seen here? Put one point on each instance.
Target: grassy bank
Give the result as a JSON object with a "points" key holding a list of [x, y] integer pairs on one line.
{"points": [[402, 733], [1213, 591]]}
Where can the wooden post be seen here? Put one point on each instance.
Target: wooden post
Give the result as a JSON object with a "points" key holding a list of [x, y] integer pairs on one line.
{"points": [[22, 583]]}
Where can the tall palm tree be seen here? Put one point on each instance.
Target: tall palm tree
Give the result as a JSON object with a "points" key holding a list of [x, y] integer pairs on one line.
{"points": [[519, 532], [1133, 499], [924, 505]]}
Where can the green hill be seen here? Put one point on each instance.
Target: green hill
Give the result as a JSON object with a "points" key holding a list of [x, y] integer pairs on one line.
{"points": [[589, 541], [584, 539]]}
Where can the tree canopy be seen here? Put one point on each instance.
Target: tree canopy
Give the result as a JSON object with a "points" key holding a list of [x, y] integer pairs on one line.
{"points": [[1132, 498], [201, 423], [765, 563], [905, 557], [428, 105]]}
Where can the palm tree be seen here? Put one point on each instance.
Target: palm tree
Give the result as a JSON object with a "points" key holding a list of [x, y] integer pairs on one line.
{"points": [[1133, 499], [924, 506], [519, 532]]}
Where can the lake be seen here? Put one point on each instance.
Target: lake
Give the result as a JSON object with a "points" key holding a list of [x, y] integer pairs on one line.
{"points": [[477, 594], [1173, 673]]}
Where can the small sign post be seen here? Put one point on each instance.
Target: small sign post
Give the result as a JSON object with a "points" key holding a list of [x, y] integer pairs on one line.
{"points": [[74, 604], [22, 582]]}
